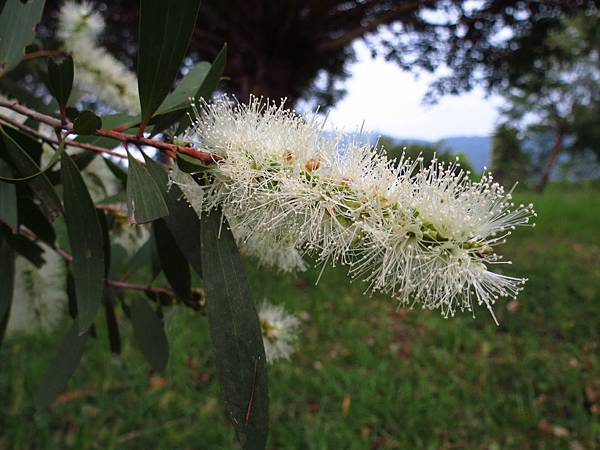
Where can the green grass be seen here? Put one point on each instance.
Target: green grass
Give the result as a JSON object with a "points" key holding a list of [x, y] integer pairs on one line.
{"points": [[365, 377]]}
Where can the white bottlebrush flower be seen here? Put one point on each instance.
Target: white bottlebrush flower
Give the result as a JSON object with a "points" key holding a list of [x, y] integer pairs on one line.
{"points": [[97, 72], [39, 299], [279, 255], [279, 331], [6, 112], [425, 235]]}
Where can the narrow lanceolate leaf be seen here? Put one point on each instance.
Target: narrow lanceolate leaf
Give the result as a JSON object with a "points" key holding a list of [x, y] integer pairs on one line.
{"points": [[26, 248], [117, 170], [30, 144], [8, 198], [179, 99], [183, 222], [112, 325], [49, 165], [145, 202], [86, 241], [86, 123], [209, 84], [41, 186], [199, 82], [149, 334], [60, 79], [17, 30], [7, 280], [235, 333], [62, 367], [172, 261], [32, 217], [165, 32]]}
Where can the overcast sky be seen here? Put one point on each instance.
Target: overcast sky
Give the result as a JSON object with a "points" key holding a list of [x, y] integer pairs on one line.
{"points": [[390, 101]]}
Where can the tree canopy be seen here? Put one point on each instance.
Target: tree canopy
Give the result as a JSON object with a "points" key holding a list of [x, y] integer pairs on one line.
{"points": [[301, 49]]}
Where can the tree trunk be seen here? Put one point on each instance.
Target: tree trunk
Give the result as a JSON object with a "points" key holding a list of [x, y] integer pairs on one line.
{"points": [[551, 161]]}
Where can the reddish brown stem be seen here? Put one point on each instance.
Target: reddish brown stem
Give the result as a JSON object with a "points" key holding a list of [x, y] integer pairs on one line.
{"points": [[44, 53], [114, 283], [35, 133], [140, 287], [169, 149]]}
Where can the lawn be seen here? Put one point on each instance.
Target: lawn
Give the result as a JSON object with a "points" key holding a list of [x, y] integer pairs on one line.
{"points": [[366, 375]]}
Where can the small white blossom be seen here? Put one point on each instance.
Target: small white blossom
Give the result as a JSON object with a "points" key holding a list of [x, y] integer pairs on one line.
{"points": [[279, 331], [6, 112], [425, 235], [97, 72], [39, 301]]}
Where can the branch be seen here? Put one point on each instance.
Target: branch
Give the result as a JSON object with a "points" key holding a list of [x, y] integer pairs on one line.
{"points": [[140, 287], [44, 53], [114, 283], [383, 19], [50, 140], [169, 149]]}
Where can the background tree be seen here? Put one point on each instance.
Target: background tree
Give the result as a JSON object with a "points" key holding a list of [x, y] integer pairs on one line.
{"points": [[559, 95], [509, 162], [300, 49]]}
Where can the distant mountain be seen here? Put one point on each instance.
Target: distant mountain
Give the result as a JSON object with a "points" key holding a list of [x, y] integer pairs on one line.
{"points": [[478, 149]]}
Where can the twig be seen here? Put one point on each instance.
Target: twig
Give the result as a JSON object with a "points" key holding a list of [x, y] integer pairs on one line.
{"points": [[167, 148], [71, 143], [114, 283], [140, 287], [44, 53]]}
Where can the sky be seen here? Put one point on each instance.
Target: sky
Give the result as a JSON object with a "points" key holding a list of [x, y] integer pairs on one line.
{"points": [[389, 101]]}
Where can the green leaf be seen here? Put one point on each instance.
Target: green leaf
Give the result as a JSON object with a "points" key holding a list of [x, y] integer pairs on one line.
{"points": [[190, 165], [149, 334], [86, 123], [17, 30], [103, 221], [208, 85], [31, 216], [86, 242], [117, 170], [7, 281], [61, 367], [8, 198], [178, 100], [141, 259], [26, 248], [81, 160], [51, 163], [183, 222], [172, 261], [165, 32], [60, 79], [199, 82], [27, 167], [145, 202], [30, 144], [112, 325], [236, 334]]}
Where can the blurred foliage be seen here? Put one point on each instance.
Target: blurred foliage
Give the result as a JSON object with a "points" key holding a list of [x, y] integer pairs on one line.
{"points": [[301, 49], [559, 95], [510, 163]]}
